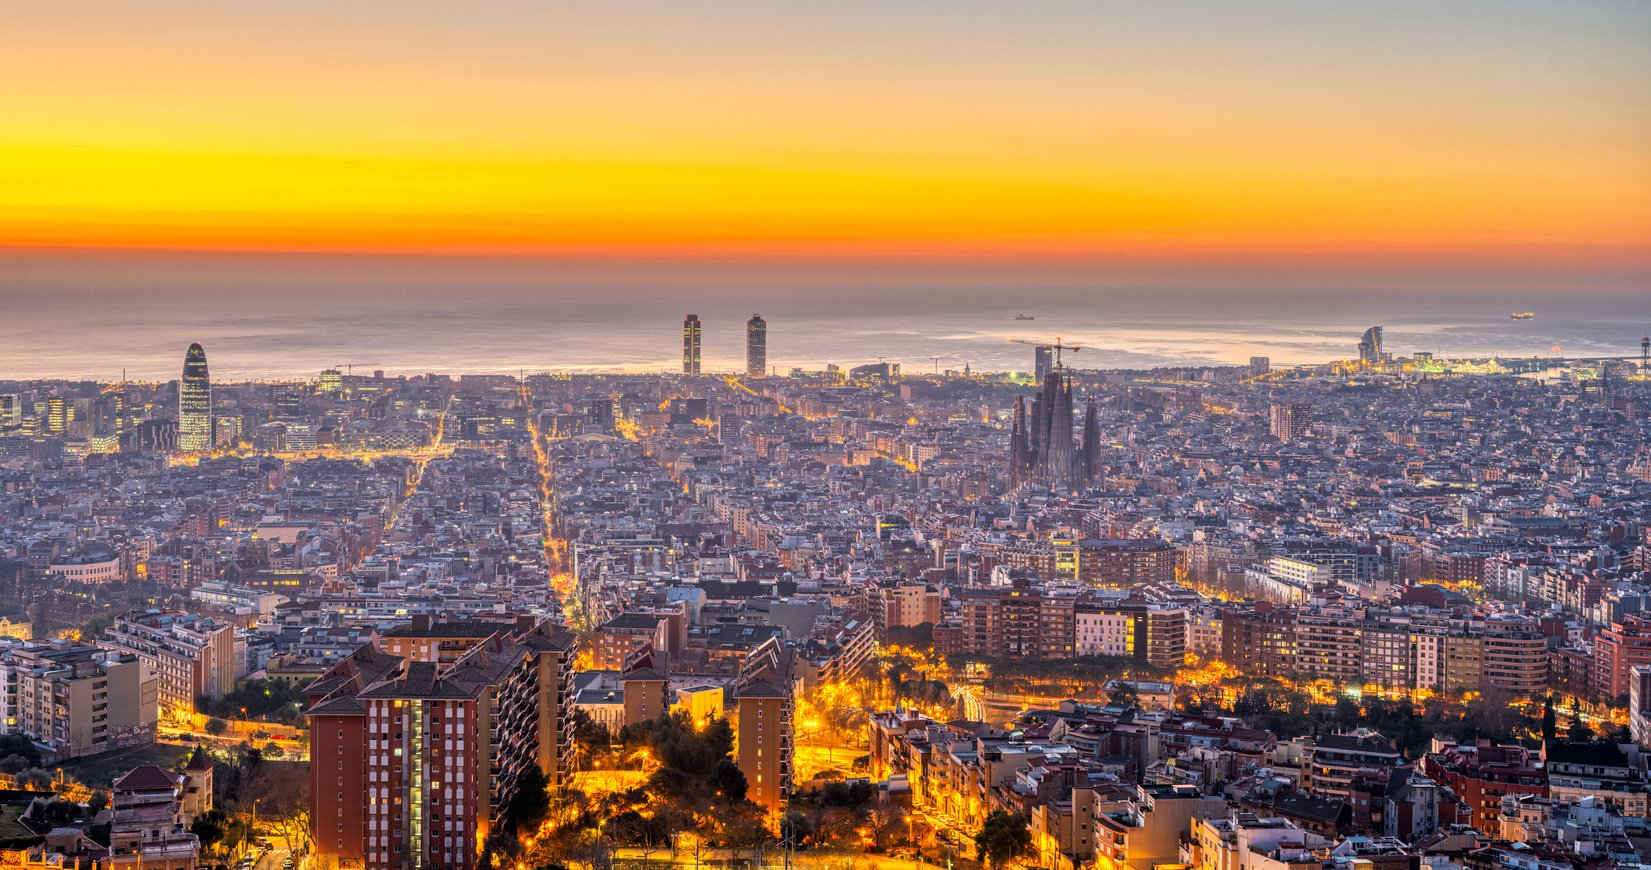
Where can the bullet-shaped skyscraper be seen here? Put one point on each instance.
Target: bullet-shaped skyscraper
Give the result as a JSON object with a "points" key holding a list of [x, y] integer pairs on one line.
{"points": [[690, 345], [756, 346], [195, 402]]}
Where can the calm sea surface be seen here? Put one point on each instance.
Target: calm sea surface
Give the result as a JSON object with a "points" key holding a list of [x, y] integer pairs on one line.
{"points": [[262, 319]]}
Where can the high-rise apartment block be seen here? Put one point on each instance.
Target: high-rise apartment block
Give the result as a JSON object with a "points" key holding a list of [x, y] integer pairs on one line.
{"points": [[1395, 648], [411, 762], [1126, 563], [1618, 650], [75, 699], [190, 655], [764, 701], [1291, 420], [1025, 621], [910, 604]]}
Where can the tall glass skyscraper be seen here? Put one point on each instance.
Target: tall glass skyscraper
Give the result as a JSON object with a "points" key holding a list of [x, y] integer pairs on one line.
{"points": [[756, 346], [690, 345], [195, 402]]}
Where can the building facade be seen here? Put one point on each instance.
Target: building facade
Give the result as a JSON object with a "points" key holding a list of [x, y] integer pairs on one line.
{"points": [[690, 345], [756, 346], [195, 402], [190, 655], [436, 749], [76, 699]]}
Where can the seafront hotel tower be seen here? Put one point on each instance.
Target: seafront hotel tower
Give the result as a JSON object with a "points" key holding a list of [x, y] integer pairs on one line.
{"points": [[690, 345]]}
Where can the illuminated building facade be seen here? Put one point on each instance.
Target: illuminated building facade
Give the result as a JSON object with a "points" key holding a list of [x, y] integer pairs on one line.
{"points": [[910, 604], [1618, 650], [1291, 420], [57, 415], [191, 655], [1370, 347], [1120, 564], [763, 698], [75, 699], [195, 402], [436, 749], [756, 346], [690, 345]]}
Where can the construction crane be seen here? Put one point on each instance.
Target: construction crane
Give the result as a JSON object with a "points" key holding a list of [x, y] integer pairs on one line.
{"points": [[349, 368], [1057, 346]]}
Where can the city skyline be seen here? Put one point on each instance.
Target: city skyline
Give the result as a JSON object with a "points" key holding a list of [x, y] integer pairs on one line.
{"points": [[1062, 435]]}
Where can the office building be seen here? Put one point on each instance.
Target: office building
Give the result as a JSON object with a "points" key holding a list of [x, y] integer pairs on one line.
{"points": [[690, 345], [195, 403], [756, 346], [436, 750], [226, 430], [287, 402], [58, 415], [1043, 361]]}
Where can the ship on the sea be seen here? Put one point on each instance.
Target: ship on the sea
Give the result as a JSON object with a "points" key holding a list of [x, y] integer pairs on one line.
{"points": [[1025, 317], [1523, 315]]}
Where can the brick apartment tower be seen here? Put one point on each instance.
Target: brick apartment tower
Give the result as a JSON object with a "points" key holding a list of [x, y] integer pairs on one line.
{"points": [[412, 761]]}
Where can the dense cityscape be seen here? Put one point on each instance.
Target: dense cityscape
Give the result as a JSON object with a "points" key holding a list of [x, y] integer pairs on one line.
{"points": [[1371, 614]]}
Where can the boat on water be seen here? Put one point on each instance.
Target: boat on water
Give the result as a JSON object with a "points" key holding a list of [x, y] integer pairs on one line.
{"points": [[1025, 317], [1523, 315]]}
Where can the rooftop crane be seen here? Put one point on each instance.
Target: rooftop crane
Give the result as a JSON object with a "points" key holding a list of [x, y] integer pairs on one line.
{"points": [[1057, 346]]}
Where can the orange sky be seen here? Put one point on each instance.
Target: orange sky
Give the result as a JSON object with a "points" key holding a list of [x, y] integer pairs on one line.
{"points": [[957, 130]]}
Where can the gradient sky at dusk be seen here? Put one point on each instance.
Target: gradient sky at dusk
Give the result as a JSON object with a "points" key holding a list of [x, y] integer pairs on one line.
{"points": [[1430, 132]]}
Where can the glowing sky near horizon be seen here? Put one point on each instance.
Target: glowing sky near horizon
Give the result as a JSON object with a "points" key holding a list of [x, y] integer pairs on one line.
{"points": [[1080, 129]]}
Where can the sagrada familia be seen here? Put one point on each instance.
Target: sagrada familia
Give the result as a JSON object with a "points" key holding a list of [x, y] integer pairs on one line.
{"points": [[1047, 454]]}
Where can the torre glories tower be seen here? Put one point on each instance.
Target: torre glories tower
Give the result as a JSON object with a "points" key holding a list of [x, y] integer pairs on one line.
{"points": [[195, 403]]}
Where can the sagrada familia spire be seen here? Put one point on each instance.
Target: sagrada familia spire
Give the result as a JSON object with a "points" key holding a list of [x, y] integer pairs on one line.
{"points": [[1047, 453]]}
